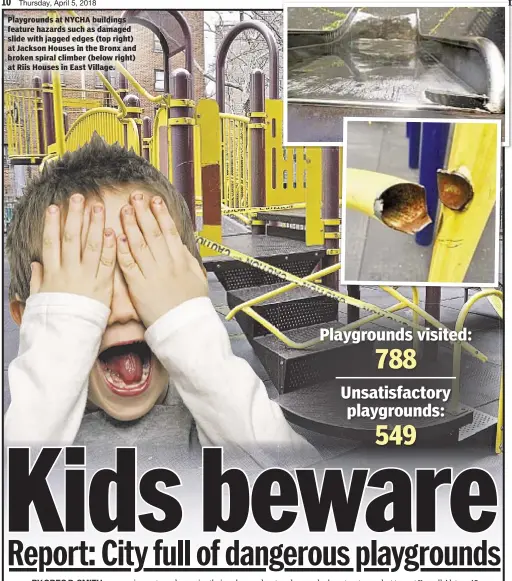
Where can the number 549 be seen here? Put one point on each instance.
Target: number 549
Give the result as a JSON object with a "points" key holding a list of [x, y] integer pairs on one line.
{"points": [[405, 435]]}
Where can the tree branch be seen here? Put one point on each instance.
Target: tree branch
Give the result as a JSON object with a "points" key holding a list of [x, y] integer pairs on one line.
{"points": [[210, 77]]}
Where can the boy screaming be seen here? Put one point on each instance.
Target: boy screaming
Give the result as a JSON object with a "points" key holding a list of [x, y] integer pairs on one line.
{"points": [[109, 289]]}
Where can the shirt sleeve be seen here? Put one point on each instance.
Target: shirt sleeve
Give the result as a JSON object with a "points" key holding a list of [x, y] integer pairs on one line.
{"points": [[60, 337], [225, 396]]}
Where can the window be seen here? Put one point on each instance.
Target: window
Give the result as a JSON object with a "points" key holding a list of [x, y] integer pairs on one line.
{"points": [[159, 80], [157, 47], [6, 156], [111, 78]]}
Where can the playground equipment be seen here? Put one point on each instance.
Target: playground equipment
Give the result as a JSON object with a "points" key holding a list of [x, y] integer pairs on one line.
{"points": [[467, 191], [397, 203], [387, 67], [466, 188], [281, 206]]}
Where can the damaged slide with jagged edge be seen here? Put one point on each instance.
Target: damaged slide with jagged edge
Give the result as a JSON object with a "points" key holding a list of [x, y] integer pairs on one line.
{"points": [[385, 65]]}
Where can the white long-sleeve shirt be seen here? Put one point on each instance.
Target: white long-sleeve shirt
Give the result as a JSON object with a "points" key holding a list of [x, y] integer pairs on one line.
{"points": [[60, 338]]}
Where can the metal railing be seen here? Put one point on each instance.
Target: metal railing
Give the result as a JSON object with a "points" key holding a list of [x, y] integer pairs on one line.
{"points": [[112, 124], [494, 295], [103, 120], [235, 161], [81, 100], [25, 133], [496, 298]]}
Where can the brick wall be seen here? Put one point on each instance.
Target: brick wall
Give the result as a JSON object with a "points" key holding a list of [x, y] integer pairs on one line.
{"points": [[149, 58]]}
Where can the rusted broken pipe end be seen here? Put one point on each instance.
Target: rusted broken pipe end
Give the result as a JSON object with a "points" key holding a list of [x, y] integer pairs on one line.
{"points": [[403, 207], [454, 187]]}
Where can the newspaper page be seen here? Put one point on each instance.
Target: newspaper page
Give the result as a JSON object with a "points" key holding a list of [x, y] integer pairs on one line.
{"points": [[253, 290]]}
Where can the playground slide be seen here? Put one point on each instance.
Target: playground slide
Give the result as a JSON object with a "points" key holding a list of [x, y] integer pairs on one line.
{"points": [[374, 66]]}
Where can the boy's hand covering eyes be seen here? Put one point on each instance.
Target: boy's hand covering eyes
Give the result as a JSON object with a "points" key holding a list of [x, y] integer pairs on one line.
{"points": [[158, 268], [69, 268]]}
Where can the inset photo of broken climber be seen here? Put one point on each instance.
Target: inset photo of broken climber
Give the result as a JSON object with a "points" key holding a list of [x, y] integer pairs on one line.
{"points": [[421, 202]]}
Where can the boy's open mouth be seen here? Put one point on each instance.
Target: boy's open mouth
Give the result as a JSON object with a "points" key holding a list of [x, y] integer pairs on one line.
{"points": [[127, 368]]}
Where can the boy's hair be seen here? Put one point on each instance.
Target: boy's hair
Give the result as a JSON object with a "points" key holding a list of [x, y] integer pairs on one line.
{"points": [[94, 167]]}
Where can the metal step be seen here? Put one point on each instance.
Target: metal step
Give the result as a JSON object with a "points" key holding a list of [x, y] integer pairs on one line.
{"points": [[293, 309], [28, 160], [290, 369], [296, 216], [320, 408], [294, 233], [482, 430], [290, 255]]}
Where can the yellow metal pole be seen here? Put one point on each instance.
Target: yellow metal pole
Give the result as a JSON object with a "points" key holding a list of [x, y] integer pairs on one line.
{"points": [[457, 348], [312, 342], [138, 87], [397, 203], [415, 317], [58, 113], [280, 335], [122, 107], [473, 158], [314, 186], [430, 319], [271, 269], [277, 292], [160, 158], [8, 101], [499, 427], [497, 304]]}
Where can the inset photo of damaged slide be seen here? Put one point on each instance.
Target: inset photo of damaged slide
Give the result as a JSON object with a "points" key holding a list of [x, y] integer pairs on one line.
{"points": [[439, 62], [421, 202]]}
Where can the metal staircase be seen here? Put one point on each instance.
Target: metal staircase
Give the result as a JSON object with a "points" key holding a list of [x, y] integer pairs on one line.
{"points": [[305, 379]]}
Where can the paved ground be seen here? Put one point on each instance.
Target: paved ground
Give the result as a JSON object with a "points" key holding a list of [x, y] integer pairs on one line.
{"points": [[383, 147]]}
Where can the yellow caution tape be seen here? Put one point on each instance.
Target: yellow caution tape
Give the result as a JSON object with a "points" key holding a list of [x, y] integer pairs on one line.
{"points": [[297, 206], [279, 273]]}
